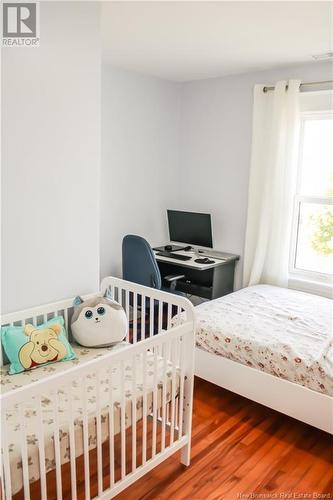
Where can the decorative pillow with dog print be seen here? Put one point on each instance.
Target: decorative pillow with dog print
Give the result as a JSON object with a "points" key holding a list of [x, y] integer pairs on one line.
{"points": [[30, 346]]}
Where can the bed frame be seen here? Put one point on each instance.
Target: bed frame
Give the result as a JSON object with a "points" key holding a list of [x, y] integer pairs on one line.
{"points": [[149, 314], [286, 397]]}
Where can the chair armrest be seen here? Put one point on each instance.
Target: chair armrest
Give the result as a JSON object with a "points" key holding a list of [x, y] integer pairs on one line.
{"points": [[173, 277]]}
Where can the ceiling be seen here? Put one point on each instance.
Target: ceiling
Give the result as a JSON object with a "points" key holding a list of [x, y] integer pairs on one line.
{"points": [[184, 40]]}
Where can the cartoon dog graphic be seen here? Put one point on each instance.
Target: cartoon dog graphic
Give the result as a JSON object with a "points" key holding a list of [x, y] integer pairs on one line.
{"points": [[43, 346]]}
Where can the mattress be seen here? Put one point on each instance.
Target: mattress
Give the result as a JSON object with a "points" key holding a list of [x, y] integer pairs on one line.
{"points": [[10, 382], [286, 333]]}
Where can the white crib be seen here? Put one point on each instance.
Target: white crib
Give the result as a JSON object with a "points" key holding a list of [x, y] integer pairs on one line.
{"points": [[91, 427]]}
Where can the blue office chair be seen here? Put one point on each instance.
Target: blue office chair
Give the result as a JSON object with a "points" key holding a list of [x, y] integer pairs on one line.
{"points": [[139, 263], [140, 266]]}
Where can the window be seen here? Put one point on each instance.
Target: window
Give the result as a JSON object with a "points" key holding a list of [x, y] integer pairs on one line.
{"points": [[312, 237]]}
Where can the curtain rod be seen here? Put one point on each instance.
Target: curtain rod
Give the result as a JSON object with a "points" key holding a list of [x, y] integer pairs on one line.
{"points": [[306, 84]]}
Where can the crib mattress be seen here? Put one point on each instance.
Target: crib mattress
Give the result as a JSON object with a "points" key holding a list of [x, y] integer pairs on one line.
{"points": [[10, 382], [282, 332]]}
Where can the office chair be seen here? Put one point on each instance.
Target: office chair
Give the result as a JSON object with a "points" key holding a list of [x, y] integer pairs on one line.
{"points": [[140, 266]]}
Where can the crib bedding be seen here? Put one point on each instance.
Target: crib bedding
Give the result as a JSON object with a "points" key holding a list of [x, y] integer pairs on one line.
{"points": [[282, 332], [10, 382]]}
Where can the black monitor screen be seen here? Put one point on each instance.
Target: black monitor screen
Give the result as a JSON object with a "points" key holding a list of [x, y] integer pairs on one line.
{"points": [[190, 227]]}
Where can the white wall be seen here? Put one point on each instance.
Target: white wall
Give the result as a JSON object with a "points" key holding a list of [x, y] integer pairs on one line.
{"points": [[216, 129], [140, 147], [51, 159]]}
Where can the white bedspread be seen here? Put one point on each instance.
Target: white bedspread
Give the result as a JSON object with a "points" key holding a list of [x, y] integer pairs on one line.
{"points": [[283, 332]]}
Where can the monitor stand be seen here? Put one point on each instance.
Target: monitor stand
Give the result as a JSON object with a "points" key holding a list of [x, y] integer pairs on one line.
{"points": [[174, 248]]}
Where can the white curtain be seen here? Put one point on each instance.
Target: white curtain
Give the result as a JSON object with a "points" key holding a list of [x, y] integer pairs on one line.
{"points": [[272, 183]]}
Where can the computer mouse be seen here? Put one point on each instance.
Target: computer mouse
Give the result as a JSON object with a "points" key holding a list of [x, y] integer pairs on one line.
{"points": [[204, 260], [168, 248]]}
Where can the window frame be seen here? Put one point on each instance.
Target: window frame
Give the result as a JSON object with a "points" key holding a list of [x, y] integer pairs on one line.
{"points": [[294, 272]]}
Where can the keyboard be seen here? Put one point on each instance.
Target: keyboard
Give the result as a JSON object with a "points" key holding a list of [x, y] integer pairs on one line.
{"points": [[174, 256]]}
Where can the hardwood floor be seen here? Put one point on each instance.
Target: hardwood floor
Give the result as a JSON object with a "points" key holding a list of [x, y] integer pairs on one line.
{"points": [[241, 449]]}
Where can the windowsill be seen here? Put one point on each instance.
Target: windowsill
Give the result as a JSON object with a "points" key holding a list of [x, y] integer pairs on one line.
{"points": [[315, 287]]}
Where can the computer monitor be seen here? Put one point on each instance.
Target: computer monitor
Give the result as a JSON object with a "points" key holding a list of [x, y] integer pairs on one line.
{"points": [[190, 227]]}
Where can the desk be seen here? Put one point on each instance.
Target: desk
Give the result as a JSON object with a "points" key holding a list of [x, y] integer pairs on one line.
{"points": [[209, 281]]}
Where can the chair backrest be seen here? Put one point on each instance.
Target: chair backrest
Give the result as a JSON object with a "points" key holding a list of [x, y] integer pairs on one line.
{"points": [[139, 263]]}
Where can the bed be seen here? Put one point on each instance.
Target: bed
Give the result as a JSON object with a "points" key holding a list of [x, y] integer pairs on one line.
{"points": [[272, 345]]}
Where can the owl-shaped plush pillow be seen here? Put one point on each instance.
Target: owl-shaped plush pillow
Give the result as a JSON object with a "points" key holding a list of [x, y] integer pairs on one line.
{"points": [[98, 322]]}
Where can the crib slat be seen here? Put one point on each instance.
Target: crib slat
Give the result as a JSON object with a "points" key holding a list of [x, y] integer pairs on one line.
{"points": [[122, 420], [57, 446], [111, 431], [7, 483], [85, 441], [154, 404], [178, 313], [160, 313], [173, 391], [177, 322], [99, 436], [164, 387], [127, 305], [24, 452], [135, 317], [41, 450], [167, 414], [72, 443], [134, 400], [177, 414], [143, 317], [121, 297], [169, 316], [2, 482], [181, 390], [151, 317], [144, 408]]}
